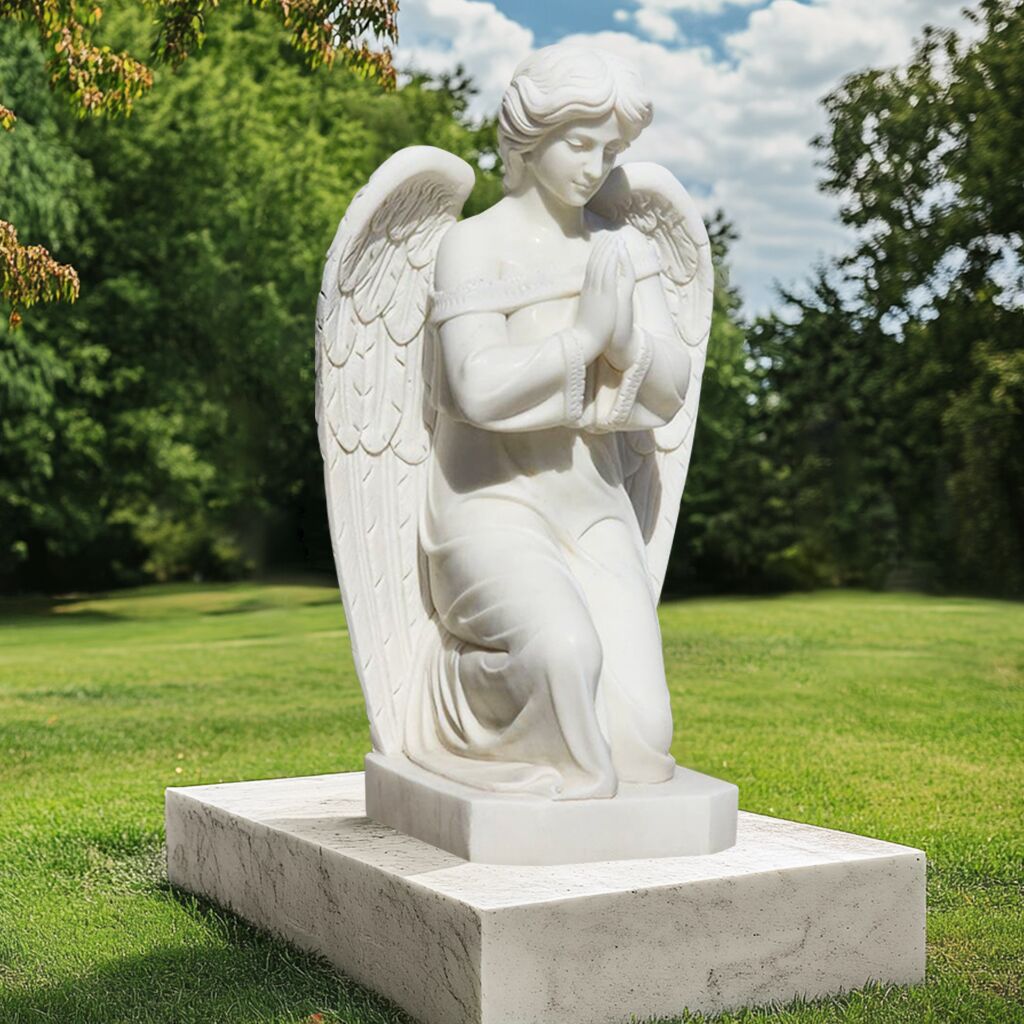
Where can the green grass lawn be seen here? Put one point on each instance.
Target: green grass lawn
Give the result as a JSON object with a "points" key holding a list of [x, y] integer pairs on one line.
{"points": [[896, 716]]}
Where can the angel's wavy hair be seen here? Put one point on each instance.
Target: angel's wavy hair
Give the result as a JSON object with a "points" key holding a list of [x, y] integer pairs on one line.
{"points": [[561, 83]]}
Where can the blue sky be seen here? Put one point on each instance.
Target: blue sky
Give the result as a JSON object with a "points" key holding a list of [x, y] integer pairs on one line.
{"points": [[736, 85], [551, 20]]}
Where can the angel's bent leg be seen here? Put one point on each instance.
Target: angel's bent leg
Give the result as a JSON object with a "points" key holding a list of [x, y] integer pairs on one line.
{"points": [[532, 659], [634, 702]]}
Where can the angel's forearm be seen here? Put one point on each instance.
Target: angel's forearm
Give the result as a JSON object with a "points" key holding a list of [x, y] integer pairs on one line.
{"points": [[650, 390], [664, 388], [516, 387]]}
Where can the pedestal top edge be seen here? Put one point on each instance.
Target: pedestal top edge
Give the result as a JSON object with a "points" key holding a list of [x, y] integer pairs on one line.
{"points": [[329, 811], [265, 800]]}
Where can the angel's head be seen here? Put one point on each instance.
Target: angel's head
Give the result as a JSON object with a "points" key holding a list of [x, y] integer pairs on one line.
{"points": [[566, 115]]}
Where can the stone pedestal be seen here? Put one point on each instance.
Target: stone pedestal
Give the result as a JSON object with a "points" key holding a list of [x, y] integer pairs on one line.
{"points": [[690, 814], [790, 910]]}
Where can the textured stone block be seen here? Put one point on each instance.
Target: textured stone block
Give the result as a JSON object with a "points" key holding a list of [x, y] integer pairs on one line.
{"points": [[790, 910]]}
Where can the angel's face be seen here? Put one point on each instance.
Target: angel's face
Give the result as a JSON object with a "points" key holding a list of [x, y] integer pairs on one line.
{"points": [[572, 162]]}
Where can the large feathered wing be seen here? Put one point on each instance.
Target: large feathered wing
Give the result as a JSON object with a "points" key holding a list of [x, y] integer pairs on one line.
{"points": [[651, 199], [373, 413]]}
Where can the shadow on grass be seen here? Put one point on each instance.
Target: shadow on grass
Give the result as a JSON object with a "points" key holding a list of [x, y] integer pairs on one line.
{"points": [[24, 609], [43, 611], [257, 604], [234, 973]]}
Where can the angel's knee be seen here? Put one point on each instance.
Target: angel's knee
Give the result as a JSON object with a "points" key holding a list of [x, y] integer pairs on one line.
{"points": [[567, 653]]}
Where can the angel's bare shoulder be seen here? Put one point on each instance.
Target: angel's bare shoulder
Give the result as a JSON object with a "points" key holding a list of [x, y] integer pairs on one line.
{"points": [[467, 251]]}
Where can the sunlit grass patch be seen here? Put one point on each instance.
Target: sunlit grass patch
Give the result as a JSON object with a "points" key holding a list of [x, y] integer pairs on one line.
{"points": [[894, 716]]}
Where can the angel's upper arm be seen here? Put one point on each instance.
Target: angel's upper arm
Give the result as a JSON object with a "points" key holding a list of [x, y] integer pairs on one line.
{"points": [[461, 259], [495, 383], [458, 257]]}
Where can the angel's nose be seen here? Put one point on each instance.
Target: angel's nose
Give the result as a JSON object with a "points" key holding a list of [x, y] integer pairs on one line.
{"points": [[592, 172]]}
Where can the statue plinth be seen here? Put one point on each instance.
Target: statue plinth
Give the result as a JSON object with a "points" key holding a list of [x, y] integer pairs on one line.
{"points": [[790, 910], [690, 815]]}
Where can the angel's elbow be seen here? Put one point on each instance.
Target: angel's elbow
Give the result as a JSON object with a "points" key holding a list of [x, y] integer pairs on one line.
{"points": [[670, 404], [471, 398], [476, 412], [662, 413], [668, 380], [677, 384]]}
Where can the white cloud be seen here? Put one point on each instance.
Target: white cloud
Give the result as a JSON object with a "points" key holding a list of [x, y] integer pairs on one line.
{"points": [[736, 130], [620, 15], [435, 35], [694, 6], [657, 24]]}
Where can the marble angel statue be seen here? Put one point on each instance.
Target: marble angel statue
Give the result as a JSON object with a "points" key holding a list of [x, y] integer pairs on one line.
{"points": [[506, 407]]}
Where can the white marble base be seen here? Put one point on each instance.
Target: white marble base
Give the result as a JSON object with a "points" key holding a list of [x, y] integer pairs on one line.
{"points": [[691, 814], [790, 910]]}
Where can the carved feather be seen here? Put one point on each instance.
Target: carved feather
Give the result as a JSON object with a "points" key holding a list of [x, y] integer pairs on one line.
{"points": [[373, 424]]}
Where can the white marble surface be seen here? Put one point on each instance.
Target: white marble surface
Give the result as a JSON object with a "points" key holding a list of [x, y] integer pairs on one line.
{"points": [[506, 406], [693, 814], [790, 910]]}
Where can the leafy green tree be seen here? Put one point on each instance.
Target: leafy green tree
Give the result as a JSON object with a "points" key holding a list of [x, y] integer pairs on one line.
{"points": [[207, 221], [827, 428], [100, 79], [47, 379], [927, 161], [872, 430]]}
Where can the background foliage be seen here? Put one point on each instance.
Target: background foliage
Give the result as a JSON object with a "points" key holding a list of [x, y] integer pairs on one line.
{"points": [[100, 79], [872, 431], [869, 432], [163, 425]]}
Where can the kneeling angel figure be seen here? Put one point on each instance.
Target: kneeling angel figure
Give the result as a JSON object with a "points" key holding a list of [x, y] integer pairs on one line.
{"points": [[506, 408]]}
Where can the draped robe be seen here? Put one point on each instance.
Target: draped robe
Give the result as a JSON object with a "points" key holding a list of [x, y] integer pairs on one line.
{"points": [[546, 675]]}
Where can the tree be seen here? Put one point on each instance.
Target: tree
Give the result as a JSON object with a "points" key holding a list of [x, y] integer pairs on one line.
{"points": [[827, 421], [171, 407], [872, 430], [99, 79], [927, 161]]}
